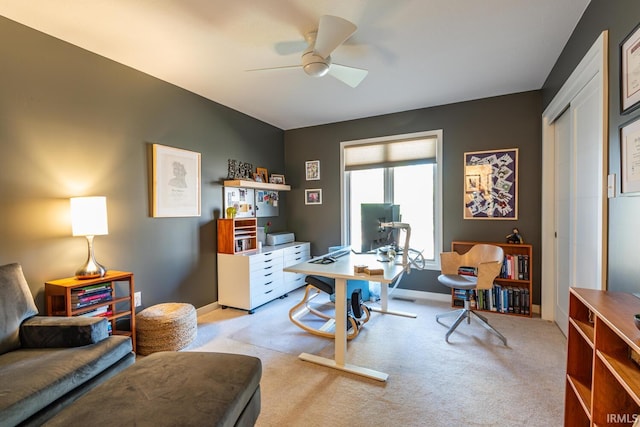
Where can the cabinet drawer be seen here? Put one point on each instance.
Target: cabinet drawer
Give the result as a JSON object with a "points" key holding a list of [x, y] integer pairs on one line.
{"points": [[296, 255], [269, 260], [263, 277]]}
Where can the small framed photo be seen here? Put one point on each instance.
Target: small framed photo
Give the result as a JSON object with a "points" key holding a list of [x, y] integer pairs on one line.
{"points": [[261, 175], [630, 157], [276, 179], [630, 71], [313, 196], [312, 169]]}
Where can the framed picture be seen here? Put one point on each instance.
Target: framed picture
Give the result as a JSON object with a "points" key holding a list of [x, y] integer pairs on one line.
{"points": [[261, 175], [313, 196], [312, 169], [276, 179], [630, 157], [175, 181], [491, 184], [630, 71]]}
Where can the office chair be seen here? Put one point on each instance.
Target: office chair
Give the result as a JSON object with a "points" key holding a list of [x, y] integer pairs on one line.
{"points": [[487, 260], [355, 309]]}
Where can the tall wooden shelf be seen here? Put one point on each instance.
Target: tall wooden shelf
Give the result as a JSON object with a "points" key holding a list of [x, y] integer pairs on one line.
{"points": [[602, 381], [58, 298], [509, 249], [237, 235]]}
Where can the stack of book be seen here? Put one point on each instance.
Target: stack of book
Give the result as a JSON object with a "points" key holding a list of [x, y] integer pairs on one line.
{"points": [[90, 295], [501, 298], [515, 267]]}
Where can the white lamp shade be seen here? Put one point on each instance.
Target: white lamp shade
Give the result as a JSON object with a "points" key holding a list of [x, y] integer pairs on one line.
{"points": [[89, 216]]}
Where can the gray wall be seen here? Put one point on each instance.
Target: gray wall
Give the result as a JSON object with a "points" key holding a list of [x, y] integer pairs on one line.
{"points": [[511, 121], [73, 123], [619, 17]]}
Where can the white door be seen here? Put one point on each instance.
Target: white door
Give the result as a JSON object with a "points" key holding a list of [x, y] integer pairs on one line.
{"points": [[563, 184], [578, 197], [574, 157]]}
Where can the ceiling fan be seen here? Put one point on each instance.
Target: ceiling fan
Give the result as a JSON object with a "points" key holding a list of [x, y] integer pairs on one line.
{"points": [[316, 59]]}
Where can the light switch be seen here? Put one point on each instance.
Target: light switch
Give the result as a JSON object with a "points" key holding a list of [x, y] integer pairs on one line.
{"points": [[611, 185]]}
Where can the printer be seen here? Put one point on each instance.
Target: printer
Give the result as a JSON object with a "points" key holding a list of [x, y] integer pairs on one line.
{"points": [[280, 238]]}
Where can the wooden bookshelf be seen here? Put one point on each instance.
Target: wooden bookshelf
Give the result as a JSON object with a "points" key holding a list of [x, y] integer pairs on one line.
{"points": [[602, 381], [526, 283], [237, 235], [59, 294]]}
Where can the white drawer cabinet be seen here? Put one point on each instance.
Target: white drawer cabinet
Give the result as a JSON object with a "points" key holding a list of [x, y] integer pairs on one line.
{"points": [[251, 279]]}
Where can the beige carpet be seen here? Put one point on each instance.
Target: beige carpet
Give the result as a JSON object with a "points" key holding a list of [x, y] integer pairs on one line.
{"points": [[474, 381]]}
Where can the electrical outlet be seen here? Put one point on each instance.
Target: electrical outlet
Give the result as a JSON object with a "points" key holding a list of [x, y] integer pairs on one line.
{"points": [[137, 299]]}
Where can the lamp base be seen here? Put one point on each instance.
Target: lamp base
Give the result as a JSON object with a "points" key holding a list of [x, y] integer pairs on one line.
{"points": [[91, 269]]}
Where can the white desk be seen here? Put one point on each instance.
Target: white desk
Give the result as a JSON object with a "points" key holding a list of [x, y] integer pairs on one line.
{"points": [[343, 270]]}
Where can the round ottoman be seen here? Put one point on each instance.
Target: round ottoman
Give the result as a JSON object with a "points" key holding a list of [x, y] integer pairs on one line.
{"points": [[165, 327]]}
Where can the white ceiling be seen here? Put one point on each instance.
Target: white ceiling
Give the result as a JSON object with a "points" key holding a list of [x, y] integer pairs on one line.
{"points": [[419, 53]]}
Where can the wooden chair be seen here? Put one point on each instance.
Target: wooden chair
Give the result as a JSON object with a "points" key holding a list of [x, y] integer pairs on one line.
{"points": [[487, 260], [316, 285]]}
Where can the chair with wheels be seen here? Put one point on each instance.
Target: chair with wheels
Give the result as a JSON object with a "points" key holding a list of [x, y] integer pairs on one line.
{"points": [[355, 309], [487, 261]]}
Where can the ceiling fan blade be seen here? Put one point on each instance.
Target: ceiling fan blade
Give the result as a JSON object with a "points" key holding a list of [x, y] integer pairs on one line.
{"points": [[289, 47], [348, 75], [332, 32], [284, 67]]}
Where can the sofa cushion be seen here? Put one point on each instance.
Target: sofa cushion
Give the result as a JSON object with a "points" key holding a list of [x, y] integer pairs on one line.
{"points": [[42, 331], [174, 389], [33, 378], [16, 305]]}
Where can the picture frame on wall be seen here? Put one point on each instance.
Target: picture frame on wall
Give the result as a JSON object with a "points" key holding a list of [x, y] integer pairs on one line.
{"points": [[491, 184], [312, 169], [630, 157], [175, 182], [313, 196], [630, 71]]}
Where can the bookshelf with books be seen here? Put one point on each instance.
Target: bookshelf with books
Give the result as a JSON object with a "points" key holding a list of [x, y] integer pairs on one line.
{"points": [[511, 293], [95, 297]]}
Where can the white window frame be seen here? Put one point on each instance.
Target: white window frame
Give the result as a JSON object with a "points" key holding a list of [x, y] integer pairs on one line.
{"points": [[344, 184]]}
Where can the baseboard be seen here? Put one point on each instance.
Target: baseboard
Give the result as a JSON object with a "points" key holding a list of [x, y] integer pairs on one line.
{"points": [[207, 308], [410, 294]]}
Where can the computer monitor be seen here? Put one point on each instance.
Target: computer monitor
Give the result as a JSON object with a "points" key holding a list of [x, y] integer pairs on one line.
{"points": [[372, 215]]}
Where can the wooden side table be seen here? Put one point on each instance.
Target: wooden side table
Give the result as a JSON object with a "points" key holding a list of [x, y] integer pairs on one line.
{"points": [[98, 297]]}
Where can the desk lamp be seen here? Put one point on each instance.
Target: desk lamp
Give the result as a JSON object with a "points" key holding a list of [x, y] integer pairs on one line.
{"points": [[89, 219]]}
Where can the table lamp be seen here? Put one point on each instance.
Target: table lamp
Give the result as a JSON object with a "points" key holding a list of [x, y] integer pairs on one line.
{"points": [[89, 219]]}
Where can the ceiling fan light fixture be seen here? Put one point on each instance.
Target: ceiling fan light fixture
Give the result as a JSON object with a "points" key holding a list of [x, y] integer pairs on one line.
{"points": [[314, 65]]}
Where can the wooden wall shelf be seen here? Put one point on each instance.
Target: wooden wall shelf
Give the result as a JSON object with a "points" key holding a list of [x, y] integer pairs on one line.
{"points": [[244, 183]]}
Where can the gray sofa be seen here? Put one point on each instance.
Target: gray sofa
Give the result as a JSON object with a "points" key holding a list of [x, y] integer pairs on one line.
{"points": [[46, 363]]}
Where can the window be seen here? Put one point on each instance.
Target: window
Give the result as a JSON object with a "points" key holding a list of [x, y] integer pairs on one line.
{"points": [[402, 170]]}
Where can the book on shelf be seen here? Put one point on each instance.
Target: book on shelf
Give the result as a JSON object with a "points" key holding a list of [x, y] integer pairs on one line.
{"points": [[501, 298], [515, 267]]}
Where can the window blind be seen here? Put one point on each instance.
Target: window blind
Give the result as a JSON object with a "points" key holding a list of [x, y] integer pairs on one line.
{"points": [[390, 153]]}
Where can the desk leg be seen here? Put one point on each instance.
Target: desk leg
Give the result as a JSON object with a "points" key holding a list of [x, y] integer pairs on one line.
{"points": [[340, 354], [384, 304]]}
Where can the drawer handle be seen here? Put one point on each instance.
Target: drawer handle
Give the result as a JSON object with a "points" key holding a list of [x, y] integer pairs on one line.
{"points": [[268, 260], [298, 252], [268, 283], [298, 258], [268, 253], [269, 291], [268, 274], [269, 267]]}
